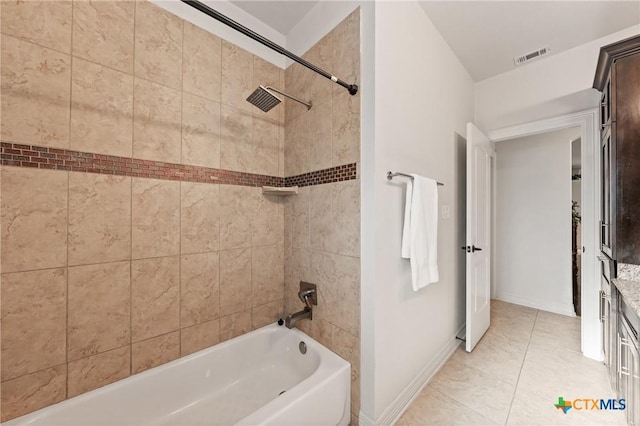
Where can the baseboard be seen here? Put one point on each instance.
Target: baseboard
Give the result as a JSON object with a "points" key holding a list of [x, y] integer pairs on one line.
{"points": [[399, 405], [543, 305], [364, 420]]}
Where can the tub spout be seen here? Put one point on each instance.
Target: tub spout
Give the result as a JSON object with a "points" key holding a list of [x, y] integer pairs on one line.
{"points": [[292, 319]]}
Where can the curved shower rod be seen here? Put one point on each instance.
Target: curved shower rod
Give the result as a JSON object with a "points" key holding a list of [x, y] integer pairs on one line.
{"points": [[352, 88]]}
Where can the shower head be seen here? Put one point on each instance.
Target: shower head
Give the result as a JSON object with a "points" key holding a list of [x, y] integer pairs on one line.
{"points": [[264, 99]]}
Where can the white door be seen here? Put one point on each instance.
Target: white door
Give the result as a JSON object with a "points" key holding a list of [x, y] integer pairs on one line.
{"points": [[478, 235]]}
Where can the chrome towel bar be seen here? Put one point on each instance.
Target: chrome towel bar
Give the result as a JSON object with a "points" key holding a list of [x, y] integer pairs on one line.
{"points": [[391, 175]]}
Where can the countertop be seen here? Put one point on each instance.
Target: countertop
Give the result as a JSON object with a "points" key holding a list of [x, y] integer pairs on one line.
{"points": [[628, 283], [629, 272], [630, 291]]}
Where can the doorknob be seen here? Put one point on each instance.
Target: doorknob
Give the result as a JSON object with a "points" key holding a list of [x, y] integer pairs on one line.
{"points": [[471, 249]]}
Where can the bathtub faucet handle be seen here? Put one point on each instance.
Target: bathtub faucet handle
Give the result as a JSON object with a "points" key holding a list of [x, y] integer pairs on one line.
{"points": [[304, 296], [308, 294]]}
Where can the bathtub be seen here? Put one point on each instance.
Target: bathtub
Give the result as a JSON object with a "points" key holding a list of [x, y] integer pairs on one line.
{"points": [[260, 378]]}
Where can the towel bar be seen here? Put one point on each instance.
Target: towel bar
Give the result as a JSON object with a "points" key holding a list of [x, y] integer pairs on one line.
{"points": [[391, 175]]}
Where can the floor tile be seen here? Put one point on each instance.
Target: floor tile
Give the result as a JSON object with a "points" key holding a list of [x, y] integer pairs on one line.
{"points": [[552, 372], [496, 354], [557, 330], [434, 408], [474, 388], [515, 375]]}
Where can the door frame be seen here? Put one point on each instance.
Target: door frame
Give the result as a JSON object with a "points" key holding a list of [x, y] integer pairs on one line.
{"points": [[590, 133]]}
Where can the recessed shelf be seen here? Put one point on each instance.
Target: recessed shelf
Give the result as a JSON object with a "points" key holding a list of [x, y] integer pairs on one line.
{"points": [[277, 190]]}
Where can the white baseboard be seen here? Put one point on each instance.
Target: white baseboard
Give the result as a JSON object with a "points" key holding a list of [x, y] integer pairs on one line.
{"points": [[399, 405], [364, 420], [543, 305]]}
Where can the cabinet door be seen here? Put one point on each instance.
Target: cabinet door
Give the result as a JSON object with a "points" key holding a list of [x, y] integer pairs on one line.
{"points": [[613, 330], [623, 364], [629, 371], [625, 152], [607, 227]]}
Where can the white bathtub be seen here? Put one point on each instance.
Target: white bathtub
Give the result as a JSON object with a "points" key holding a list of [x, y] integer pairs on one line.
{"points": [[235, 382]]}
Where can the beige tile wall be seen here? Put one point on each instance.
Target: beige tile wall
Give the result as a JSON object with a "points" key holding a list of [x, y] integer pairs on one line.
{"points": [[103, 313], [322, 236], [134, 80], [107, 276], [129, 273]]}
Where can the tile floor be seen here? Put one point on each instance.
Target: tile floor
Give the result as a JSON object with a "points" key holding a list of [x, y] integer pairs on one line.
{"points": [[525, 361]]}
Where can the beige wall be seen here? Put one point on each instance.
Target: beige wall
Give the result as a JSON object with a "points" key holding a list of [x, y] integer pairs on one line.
{"points": [[322, 232], [106, 276]]}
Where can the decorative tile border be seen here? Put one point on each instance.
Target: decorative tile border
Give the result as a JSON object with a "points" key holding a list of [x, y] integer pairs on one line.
{"points": [[332, 174], [19, 155], [63, 159]]}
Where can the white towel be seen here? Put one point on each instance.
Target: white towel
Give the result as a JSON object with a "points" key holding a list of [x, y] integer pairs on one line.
{"points": [[420, 231]]}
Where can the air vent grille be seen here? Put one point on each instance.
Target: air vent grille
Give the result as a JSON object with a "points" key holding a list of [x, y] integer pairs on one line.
{"points": [[519, 60]]}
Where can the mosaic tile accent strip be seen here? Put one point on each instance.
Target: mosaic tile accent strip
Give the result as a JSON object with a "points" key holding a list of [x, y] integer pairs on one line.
{"points": [[19, 155], [319, 177]]}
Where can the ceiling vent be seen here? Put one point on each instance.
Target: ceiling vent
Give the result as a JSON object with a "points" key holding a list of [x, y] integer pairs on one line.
{"points": [[519, 60]]}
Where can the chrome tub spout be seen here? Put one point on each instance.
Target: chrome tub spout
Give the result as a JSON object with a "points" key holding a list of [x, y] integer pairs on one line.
{"points": [[292, 319]]}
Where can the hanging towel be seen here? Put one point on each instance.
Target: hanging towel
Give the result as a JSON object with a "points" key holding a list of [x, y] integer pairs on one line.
{"points": [[420, 231]]}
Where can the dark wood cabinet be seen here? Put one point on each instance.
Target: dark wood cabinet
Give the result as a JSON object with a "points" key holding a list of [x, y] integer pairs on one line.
{"points": [[618, 78]]}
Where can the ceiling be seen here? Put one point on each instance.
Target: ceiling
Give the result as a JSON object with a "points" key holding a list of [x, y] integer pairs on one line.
{"points": [[282, 16], [487, 35]]}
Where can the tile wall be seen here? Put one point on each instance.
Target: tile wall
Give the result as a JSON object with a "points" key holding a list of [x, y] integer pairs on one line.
{"points": [[104, 276], [133, 227], [322, 235]]}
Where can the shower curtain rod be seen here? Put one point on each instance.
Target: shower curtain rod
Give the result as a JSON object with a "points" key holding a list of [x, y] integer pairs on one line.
{"points": [[352, 88]]}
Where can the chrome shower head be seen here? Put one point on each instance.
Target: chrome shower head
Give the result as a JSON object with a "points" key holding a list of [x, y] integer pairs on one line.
{"points": [[263, 99]]}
